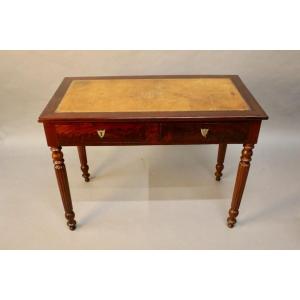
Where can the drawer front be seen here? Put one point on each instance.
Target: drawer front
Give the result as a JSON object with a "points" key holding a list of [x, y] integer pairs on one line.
{"points": [[204, 133], [151, 133], [100, 133]]}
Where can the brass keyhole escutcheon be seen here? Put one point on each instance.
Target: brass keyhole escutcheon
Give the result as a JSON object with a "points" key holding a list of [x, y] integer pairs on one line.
{"points": [[101, 133], [204, 132]]}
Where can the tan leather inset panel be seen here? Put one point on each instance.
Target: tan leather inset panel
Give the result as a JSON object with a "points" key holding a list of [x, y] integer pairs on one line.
{"points": [[152, 95]]}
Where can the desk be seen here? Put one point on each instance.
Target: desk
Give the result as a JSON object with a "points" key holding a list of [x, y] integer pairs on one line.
{"points": [[152, 110]]}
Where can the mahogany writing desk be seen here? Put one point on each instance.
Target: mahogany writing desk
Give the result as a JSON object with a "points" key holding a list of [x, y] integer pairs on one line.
{"points": [[152, 110]]}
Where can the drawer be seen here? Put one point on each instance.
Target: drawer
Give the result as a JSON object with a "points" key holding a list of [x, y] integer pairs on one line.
{"points": [[100, 133], [204, 133]]}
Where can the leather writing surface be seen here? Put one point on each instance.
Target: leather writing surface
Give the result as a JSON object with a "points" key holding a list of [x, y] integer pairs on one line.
{"points": [[151, 95]]}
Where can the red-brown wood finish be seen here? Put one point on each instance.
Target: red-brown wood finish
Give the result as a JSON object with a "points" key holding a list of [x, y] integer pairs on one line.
{"points": [[87, 133], [152, 128], [63, 184], [220, 161], [255, 112], [83, 163], [240, 183], [190, 132], [151, 133]]}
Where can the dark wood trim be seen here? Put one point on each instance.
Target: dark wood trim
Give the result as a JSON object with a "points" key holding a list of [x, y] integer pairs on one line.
{"points": [[63, 184], [240, 183], [255, 107], [150, 133], [83, 163], [51, 135], [220, 161], [255, 112]]}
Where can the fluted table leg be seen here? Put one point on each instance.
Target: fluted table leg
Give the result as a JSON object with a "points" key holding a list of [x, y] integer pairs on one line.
{"points": [[240, 183], [220, 161], [63, 184], [83, 163]]}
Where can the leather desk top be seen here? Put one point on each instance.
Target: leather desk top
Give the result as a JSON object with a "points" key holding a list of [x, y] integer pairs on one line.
{"points": [[163, 97], [146, 95]]}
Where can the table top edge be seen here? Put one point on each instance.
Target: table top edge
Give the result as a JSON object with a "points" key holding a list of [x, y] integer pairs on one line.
{"points": [[49, 114]]}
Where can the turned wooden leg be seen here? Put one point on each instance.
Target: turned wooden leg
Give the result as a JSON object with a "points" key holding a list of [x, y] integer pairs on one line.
{"points": [[220, 161], [83, 163], [63, 184], [240, 183]]}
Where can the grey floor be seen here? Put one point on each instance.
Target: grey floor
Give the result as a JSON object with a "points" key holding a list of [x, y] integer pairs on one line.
{"points": [[155, 197]]}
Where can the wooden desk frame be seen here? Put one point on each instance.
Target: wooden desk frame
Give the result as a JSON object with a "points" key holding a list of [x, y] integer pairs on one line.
{"points": [[152, 128]]}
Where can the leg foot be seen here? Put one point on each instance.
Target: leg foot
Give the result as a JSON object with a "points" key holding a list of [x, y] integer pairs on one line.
{"points": [[220, 161], [86, 178], [240, 183], [83, 163], [230, 225], [231, 220], [72, 227], [71, 221], [63, 184]]}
